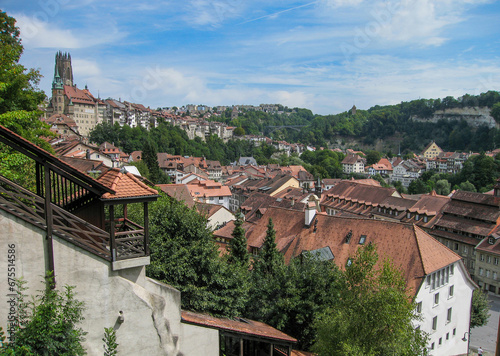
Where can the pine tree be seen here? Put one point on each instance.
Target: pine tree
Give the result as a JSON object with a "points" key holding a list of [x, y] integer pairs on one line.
{"points": [[269, 256], [238, 244], [150, 157]]}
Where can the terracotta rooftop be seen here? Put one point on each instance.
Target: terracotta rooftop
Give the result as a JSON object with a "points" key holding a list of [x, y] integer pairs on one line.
{"points": [[208, 209], [408, 246], [179, 192], [125, 185], [207, 188], [240, 326]]}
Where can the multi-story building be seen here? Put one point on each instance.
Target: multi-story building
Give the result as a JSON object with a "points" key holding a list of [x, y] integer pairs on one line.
{"points": [[353, 163]]}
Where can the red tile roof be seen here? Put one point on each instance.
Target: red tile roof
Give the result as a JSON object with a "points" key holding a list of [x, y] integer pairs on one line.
{"points": [[408, 246], [241, 326], [125, 185], [179, 192]]}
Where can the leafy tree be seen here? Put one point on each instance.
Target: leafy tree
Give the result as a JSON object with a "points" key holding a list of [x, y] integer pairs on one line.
{"points": [[184, 255], [467, 186], [418, 186], [495, 112], [373, 157], [48, 324], [480, 308], [18, 87], [19, 101], [373, 315], [238, 252], [443, 187], [239, 131]]}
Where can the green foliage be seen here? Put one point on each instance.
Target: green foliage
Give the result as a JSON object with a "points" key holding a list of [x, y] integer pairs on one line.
{"points": [[467, 186], [238, 252], [269, 258], [48, 324], [418, 186], [290, 297], [495, 112], [110, 345], [373, 157], [18, 87], [372, 315], [480, 309], [443, 187], [184, 255]]}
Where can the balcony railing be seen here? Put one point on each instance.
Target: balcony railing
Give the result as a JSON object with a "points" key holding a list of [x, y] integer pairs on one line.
{"points": [[128, 240]]}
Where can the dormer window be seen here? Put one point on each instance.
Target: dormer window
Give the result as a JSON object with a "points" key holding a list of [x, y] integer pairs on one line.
{"points": [[491, 240], [417, 217], [348, 237], [426, 218], [349, 262], [362, 239], [408, 216]]}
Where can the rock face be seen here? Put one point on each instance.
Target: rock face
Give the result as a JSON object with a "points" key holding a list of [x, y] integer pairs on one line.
{"points": [[474, 116]]}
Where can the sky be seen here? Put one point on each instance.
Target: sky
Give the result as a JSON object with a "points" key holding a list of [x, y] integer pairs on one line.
{"points": [[324, 55]]}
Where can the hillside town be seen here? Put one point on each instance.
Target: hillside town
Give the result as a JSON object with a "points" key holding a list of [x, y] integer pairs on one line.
{"points": [[453, 239], [71, 216]]}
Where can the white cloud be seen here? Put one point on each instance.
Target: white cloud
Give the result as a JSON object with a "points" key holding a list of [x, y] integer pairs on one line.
{"points": [[38, 32], [212, 12]]}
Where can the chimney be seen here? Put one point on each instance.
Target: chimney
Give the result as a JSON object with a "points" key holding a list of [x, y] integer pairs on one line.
{"points": [[311, 208], [87, 154]]}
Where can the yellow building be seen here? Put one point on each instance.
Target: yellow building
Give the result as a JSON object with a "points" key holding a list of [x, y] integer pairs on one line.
{"points": [[432, 150]]}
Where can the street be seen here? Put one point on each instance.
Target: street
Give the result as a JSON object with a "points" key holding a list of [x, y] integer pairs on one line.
{"points": [[486, 336]]}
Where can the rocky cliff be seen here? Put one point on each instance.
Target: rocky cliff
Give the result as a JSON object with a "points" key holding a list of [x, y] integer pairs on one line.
{"points": [[474, 116]]}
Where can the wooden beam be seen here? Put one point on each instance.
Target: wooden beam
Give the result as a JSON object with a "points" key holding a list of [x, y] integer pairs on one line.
{"points": [[112, 241], [49, 222]]}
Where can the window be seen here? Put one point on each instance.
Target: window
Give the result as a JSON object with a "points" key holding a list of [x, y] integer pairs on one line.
{"points": [[454, 332], [447, 336], [487, 273], [434, 323], [407, 215], [488, 259], [451, 291], [440, 340], [417, 217], [432, 346], [448, 316], [472, 264], [495, 261], [419, 307], [452, 267], [436, 299], [481, 271], [426, 218], [491, 240], [481, 257], [348, 237], [495, 276], [362, 239], [349, 262], [465, 249], [455, 247]]}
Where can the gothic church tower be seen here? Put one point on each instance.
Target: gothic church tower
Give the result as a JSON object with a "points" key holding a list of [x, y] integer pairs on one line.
{"points": [[63, 67]]}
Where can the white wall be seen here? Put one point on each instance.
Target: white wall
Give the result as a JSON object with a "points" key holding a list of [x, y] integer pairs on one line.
{"points": [[460, 303], [151, 310], [205, 341]]}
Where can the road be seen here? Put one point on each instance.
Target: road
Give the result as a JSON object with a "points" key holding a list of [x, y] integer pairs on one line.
{"points": [[486, 336]]}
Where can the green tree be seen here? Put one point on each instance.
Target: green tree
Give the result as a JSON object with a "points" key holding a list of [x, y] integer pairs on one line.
{"points": [[480, 309], [269, 258], [48, 323], [373, 157], [418, 186], [467, 186], [443, 187], [150, 157], [239, 131], [373, 315], [495, 112], [184, 255], [238, 252]]}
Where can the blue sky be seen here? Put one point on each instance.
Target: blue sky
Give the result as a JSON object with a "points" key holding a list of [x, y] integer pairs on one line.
{"points": [[325, 55]]}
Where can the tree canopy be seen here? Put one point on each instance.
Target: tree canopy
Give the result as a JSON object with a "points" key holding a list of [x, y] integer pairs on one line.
{"points": [[372, 314]]}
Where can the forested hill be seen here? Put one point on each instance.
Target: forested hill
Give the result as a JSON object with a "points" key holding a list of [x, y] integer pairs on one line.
{"points": [[412, 125]]}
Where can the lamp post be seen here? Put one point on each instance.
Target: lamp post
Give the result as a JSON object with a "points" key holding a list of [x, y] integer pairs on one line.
{"points": [[468, 341]]}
